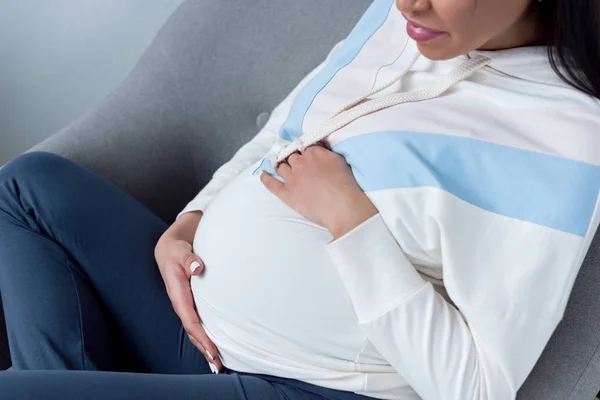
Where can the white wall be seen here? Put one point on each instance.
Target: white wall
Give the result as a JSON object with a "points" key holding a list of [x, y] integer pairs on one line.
{"points": [[59, 58]]}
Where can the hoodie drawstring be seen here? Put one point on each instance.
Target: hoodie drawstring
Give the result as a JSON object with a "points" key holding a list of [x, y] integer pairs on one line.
{"points": [[362, 106]]}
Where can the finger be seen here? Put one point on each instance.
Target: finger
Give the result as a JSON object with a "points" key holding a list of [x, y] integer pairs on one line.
{"points": [[293, 159], [183, 303], [180, 293], [318, 146], [193, 328], [323, 143], [272, 184], [211, 354], [283, 170], [192, 264], [208, 349]]}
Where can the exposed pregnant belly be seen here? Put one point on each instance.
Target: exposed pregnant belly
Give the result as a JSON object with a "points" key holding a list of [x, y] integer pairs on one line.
{"points": [[269, 290]]}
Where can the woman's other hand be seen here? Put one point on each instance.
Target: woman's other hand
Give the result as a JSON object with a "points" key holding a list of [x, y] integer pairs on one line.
{"points": [[177, 264], [319, 185]]}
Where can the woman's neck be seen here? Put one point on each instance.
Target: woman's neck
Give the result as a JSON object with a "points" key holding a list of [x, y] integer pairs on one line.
{"points": [[525, 32]]}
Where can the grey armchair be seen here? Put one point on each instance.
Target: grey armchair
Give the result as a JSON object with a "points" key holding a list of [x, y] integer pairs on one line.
{"points": [[205, 87]]}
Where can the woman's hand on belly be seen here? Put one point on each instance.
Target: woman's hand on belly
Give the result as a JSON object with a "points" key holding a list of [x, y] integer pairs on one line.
{"points": [[177, 264], [320, 186]]}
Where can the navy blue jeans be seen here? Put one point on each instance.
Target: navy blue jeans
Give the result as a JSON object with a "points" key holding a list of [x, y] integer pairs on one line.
{"points": [[86, 309]]}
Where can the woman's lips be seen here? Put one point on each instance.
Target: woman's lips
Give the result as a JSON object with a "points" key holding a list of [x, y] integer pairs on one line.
{"points": [[420, 33]]}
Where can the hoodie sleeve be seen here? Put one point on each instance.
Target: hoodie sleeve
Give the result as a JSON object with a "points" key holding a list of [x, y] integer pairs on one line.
{"points": [[476, 350], [254, 150]]}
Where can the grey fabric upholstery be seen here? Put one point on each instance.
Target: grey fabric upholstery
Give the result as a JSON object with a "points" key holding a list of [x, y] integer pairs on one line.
{"points": [[195, 95], [194, 98]]}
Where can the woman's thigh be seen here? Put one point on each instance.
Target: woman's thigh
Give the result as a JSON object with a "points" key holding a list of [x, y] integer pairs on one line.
{"points": [[67, 385], [108, 237]]}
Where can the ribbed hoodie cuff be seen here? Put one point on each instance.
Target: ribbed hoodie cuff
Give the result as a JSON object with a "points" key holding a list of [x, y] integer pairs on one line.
{"points": [[375, 271]]}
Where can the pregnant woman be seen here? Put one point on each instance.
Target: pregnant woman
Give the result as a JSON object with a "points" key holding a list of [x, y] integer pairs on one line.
{"points": [[409, 224]]}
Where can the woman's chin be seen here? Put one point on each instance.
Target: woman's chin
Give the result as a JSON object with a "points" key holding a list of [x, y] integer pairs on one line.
{"points": [[437, 50]]}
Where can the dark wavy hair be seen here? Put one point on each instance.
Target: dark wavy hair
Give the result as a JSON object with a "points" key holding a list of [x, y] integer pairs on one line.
{"points": [[571, 30]]}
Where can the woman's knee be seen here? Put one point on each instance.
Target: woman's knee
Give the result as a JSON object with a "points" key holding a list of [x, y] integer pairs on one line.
{"points": [[31, 167], [31, 189], [33, 172]]}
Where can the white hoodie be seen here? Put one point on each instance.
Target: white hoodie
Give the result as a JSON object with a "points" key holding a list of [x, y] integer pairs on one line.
{"points": [[488, 203]]}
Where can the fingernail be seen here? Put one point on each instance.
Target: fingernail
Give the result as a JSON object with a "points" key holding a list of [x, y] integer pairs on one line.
{"points": [[213, 368], [195, 265], [210, 355]]}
